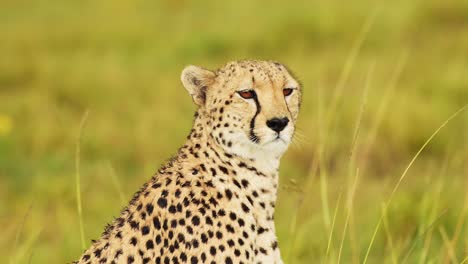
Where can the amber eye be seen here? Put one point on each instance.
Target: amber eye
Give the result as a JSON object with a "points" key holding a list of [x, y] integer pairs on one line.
{"points": [[247, 94], [287, 91]]}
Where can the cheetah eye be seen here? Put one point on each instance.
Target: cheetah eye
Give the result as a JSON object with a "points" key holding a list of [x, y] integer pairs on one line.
{"points": [[287, 91], [247, 94]]}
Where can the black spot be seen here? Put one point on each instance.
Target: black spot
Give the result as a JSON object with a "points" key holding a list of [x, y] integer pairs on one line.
{"points": [[118, 253], [230, 243], [183, 257], [97, 252], [195, 243], [172, 209], [204, 238], [245, 183], [149, 209], [156, 223], [237, 184], [189, 229], [245, 208], [149, 244], [181, 237], [223, 169], [274, 245], [145, 230], [134, 225], [195, 220], [162, 202], [213, 171], [229, 228], [232, 216]]}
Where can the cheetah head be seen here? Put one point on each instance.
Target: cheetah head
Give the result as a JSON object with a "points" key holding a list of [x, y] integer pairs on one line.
{"points": [[250, 107]]}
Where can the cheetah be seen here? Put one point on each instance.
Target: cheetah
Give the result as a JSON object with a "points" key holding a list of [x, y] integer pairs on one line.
{"points": [[214, 201]]}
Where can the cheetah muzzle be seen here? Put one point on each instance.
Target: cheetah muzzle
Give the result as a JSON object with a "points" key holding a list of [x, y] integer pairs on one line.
{"points": [[214, 201]]}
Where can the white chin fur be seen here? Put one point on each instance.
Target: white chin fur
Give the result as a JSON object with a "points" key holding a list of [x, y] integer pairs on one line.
{"points": [[268, 147]]}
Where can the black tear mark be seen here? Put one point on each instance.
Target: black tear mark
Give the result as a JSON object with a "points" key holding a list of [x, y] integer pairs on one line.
{"points": [[254, 137]]}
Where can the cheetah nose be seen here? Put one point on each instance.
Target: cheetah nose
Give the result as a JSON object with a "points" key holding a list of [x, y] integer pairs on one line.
{"points": [[277, 124]]}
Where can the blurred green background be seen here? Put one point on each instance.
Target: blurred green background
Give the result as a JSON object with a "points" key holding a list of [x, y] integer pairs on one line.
{"points": [[379, 78]]}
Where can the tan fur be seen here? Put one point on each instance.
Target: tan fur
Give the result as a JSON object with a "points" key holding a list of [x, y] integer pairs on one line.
{"points": [[214, 201]]}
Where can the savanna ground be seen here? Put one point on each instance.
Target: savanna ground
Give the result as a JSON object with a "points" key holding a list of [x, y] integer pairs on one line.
{"points": [[379, 79]]}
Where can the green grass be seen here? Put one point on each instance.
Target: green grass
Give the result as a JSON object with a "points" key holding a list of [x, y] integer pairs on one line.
{"points": [[370, 177]]}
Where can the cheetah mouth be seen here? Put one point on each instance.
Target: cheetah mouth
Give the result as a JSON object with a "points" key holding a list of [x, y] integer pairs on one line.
{"points": [[278, 138]]}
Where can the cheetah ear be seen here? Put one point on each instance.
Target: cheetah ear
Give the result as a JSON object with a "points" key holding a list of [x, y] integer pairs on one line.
{"points": [[197, 80]]}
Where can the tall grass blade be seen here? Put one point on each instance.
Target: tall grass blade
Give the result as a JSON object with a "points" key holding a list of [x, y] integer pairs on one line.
{"points": [[407, 169], [389, 235], [350, 208], [330, 236], [18, 233], [449, 246], [418, 238], [78, 179], [402, 177]]}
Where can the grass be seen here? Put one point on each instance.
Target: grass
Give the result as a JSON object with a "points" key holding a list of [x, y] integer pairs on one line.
{"points": [[78, 179], [377, 173]]}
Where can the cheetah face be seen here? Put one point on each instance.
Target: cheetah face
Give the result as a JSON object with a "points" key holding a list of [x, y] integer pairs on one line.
{"points": [[252, 106]]}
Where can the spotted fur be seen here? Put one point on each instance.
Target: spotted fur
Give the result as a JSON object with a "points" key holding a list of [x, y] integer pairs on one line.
{"points": [[214, 201]]}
